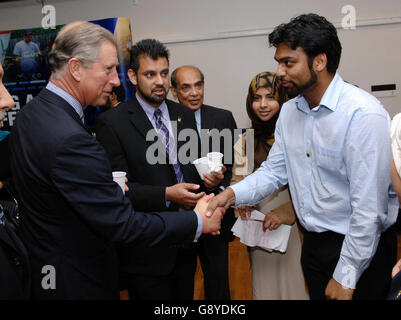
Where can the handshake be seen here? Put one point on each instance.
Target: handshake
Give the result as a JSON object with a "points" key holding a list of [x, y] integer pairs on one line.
{"points": [[212, 208]]}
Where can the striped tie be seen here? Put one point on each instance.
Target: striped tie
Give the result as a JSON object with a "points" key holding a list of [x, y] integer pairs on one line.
{"points": [[163, 129]]}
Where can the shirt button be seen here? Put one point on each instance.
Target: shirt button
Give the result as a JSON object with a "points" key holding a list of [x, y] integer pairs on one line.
{"points": [[308, 154]]}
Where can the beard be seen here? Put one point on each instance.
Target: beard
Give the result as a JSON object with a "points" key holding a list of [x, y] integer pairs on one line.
{"points": [[299, 89], [153, 98]]}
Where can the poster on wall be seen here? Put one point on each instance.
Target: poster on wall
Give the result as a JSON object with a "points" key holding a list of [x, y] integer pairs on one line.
{"points": [[23, 54]]}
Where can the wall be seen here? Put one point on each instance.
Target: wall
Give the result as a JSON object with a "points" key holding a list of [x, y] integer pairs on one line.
{"points": [[371, 55]]}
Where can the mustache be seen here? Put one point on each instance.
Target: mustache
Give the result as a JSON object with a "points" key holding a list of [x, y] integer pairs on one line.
{"points": [[159, 87]]}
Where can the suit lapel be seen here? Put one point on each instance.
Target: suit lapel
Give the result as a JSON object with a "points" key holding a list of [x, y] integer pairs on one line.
{"points": [[138, 117], [141, 122]]}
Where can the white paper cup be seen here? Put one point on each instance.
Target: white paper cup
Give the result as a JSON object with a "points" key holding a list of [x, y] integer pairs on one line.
{"points": [[119, 177], [201, 166], [215, 161]]}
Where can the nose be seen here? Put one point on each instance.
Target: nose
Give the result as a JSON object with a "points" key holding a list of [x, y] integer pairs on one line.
{"points": [[159, 79], [193, 92], [115, 80], [264, 102], [280, 72], [6, 101]]}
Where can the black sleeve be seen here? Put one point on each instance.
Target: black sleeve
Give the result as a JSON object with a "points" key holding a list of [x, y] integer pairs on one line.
{"points": [[143, 197]]}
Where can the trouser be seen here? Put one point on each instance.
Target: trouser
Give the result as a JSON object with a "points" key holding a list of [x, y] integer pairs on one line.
{"points": [[177, 285], [213, 257], [320, 255]]}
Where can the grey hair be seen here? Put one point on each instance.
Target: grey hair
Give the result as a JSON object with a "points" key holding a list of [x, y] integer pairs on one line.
{"points": [[77, 40], [174, 75]]}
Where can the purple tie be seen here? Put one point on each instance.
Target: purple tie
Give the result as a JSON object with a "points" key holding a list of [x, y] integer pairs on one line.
{"points": [[162, 128]]}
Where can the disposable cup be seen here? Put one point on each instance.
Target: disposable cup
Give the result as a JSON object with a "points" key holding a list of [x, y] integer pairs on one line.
{"points": [[214, 160], [201, 166]]}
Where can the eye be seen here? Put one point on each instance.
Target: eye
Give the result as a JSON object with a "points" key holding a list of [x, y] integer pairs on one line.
{"points": [[256, 98], [288, 63], [185, 88]]}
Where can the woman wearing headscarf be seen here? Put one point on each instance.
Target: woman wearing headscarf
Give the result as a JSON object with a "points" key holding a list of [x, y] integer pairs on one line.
{"points": [[275, 275]]}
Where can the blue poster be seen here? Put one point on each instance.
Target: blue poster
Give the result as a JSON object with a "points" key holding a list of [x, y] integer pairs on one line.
{"points": [[23, 54]]}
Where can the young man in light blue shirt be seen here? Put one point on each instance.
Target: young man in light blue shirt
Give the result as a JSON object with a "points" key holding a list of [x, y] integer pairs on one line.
{"points": [[332, 146]]}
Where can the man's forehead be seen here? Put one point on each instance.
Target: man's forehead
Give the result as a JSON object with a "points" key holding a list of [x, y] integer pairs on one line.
{"points": [[284, 51], [149, 61], [188, 75], [108, 51]]}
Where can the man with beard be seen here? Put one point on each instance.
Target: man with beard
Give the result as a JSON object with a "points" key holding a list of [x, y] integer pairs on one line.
{"points": [[126, 133], [332, 147]]}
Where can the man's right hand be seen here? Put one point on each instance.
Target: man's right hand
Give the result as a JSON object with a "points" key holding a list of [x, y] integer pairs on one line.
{"points": [[210, 224], [224, 200], [179, 193]]}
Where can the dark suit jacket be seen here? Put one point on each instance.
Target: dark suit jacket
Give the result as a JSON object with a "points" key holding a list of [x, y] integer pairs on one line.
{"points": [[220, 119], [14, 264], [122, 131], [72, 212]]}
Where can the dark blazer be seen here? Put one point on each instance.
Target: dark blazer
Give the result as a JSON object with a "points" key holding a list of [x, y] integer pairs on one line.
{"points": [[72, 212], [14, 264], [122, 131], [217, 118]]}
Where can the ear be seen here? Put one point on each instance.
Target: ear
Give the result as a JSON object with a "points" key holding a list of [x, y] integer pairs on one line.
{"points": [[111, 97], [320, 62], [132, 77], [75, 66], [173, 92]]}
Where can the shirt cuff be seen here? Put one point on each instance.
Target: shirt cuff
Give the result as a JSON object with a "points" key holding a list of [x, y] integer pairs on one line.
{"points": [[346, 274], [200, 226], [240, 189]]}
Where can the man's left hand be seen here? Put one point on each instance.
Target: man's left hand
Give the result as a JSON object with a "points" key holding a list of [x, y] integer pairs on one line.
{"points": [[213, 179], [335, 291]]}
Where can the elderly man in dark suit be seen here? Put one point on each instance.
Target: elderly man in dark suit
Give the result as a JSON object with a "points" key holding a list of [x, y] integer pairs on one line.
{"points": [[187, 85], [73, 213], [156, 183]]}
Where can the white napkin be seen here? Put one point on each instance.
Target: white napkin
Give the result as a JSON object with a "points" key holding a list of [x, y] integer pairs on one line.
{"points": [[251, 233]]}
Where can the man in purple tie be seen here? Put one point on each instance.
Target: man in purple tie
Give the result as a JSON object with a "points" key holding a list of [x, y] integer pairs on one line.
{"points": [[145, 137]]}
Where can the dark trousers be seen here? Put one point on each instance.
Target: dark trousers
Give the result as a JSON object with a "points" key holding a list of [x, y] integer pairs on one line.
{"points": [[320, 255], [213, 257], [177, 285]]}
